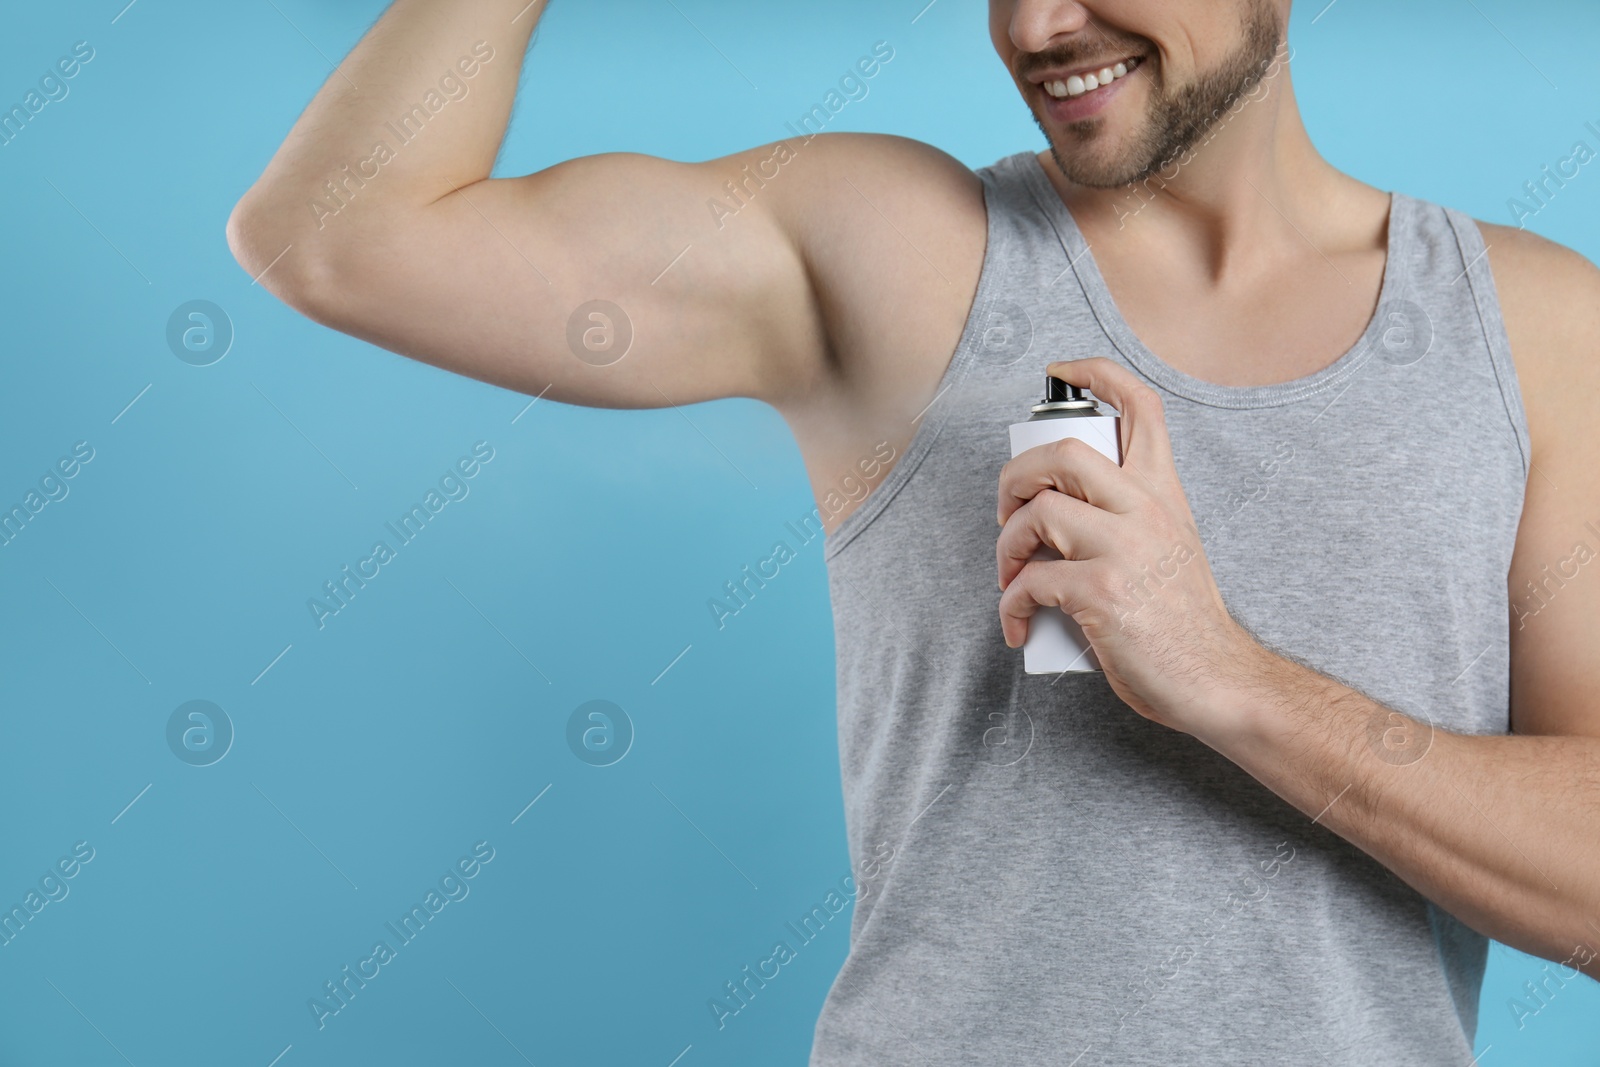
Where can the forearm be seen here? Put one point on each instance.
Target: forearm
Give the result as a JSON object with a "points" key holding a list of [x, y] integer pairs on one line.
{"points": [[1501, 831], [418, 108]]}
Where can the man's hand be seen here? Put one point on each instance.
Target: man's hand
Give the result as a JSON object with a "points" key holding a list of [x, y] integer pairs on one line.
{"points": [[1497, 830], [1133, 574]]}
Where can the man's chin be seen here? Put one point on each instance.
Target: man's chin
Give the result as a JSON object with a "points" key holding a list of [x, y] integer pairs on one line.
{"points": [[1098, 168], [1092, 156]]}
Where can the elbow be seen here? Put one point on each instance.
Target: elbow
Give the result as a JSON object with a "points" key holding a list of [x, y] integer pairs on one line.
{"points": [[279, 252], [251, 226]]}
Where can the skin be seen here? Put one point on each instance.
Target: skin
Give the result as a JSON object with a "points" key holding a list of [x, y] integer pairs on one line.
{"points": [[839, 290]]}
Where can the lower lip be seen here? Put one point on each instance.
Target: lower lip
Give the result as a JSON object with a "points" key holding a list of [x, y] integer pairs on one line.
{"points": [[1076, 108]]}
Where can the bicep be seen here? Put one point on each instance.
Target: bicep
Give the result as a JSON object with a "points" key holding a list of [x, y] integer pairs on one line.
{"points": [[605, 281], [1551, 301], [1555, 595]]}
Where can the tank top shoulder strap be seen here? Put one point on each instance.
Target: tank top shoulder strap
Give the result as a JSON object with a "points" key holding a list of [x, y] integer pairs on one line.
{"points": [[1458, 279]]}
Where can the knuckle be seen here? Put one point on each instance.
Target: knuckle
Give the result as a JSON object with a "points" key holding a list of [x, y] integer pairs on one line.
{"points": [[1101, 584], [1068, 449], [1005, 546], [1050, 506], [1013, 599]]}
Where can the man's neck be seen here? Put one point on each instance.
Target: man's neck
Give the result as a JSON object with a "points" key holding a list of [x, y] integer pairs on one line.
{"points": [[1224, 204]]}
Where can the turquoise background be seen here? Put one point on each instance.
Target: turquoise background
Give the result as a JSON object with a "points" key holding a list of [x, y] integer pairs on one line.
{"points": [[427, 715]]}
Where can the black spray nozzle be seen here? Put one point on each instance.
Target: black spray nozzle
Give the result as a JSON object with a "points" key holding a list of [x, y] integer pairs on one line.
{"points": [[1057, 391]]}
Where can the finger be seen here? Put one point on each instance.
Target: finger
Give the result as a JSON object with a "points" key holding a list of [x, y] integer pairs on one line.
{"points": [[1069, 466], [1062, 583], [1144, 423], [1056, 522]]}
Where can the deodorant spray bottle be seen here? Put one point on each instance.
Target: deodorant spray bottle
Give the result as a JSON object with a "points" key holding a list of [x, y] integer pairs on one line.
{"points": [[1055, 643]]}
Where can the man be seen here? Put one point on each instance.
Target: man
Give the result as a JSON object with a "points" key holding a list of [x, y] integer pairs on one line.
{"points": [[1343, 556]]}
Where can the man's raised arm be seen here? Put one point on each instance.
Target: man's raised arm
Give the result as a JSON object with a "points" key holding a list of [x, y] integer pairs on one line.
{"points": [[604, 280]]}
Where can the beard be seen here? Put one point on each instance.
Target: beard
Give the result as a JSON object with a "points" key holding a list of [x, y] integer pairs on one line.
{"points": [[1176, 120]]}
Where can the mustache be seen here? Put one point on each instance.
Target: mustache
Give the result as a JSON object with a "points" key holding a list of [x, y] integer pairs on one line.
{"points": [[1075, 54]]}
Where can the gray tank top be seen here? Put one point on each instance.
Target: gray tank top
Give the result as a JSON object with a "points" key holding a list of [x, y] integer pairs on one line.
{"points": [[1043, 876]]}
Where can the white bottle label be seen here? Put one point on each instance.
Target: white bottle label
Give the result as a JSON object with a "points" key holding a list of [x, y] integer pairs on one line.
{"points": [[1055, 643]]}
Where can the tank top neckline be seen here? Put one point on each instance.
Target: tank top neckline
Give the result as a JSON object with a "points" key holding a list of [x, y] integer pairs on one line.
{"points": [[1082, 263]]}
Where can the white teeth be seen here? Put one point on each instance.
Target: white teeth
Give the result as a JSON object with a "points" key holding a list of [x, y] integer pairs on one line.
{"points": [[1078, 85]]}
